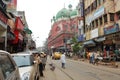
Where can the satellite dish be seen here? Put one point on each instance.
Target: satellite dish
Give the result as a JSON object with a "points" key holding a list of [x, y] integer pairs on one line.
{"points": [[6, 1]]}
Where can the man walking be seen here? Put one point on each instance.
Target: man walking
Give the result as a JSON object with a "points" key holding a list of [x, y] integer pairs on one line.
{"points": [[63, 60]]}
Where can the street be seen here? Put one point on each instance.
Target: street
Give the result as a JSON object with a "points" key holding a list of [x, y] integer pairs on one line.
{"points": [[78, 70]]}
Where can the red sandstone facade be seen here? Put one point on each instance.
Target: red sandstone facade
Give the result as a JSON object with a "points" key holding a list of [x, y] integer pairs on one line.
{"points": [[62, 30]]}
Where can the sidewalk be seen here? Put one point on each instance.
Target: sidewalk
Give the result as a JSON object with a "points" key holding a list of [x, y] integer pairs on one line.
{"points": [[107, 64], [57, 74]]}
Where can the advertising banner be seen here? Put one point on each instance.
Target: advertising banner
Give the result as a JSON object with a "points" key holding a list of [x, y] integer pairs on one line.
{"points": [[94, 33], [19, 25], [111, 29]]}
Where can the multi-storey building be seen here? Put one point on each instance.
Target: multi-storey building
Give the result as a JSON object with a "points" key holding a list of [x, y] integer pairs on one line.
{"points": [[63, 29], [102, 20], [13, 27], [81, 36]]}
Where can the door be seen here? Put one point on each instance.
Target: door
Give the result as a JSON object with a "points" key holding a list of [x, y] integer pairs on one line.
{"points": [[8, 67]]}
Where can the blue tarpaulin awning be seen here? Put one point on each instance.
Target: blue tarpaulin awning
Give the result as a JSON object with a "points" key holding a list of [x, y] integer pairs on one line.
{"points": [[89, 43]]}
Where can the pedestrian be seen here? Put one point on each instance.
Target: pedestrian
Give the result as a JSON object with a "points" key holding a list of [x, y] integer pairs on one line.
{"points": [[63, 60], [44, 59], [93, 57], [41, 67], [71, 54], [39, 62], [90, 55]]}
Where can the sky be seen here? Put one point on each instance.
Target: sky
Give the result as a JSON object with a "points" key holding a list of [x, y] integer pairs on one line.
{"points": [[39, 13]]}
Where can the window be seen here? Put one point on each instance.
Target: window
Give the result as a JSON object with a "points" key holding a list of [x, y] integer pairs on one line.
{"points": [[6, 65], [22, 61], [100, 20], [57, 28], [105, 18], [95, 4], [93, 24], [96, 21], [85, 11], [99, 2], [92, 7], [79, 31], [111, 16], [89, 9], [86, 28], [65, 27], [118, 14]]}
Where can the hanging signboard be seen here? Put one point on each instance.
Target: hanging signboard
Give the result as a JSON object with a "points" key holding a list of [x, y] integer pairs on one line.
{"points": [[111, 29]]}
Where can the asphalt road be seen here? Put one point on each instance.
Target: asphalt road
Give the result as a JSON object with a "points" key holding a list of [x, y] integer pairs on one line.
{"points": [[78, 70]]}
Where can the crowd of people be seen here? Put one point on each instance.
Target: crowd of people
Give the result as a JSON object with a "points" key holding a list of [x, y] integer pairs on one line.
{"points": [[40, 59], [95, 56]]}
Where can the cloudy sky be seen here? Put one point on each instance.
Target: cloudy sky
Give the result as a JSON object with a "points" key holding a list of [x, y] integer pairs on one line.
{"points": [[39, 14]]}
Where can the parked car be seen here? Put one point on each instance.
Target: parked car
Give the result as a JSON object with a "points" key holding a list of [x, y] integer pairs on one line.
{"points": [[27, 68], [8, 67]]}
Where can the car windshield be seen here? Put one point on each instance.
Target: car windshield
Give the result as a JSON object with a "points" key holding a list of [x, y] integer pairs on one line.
{"points": [[23, 60]]}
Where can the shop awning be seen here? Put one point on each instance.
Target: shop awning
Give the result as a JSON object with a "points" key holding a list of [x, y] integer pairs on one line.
{"points": [[27, 30], [62, 47], [19, 24], [89, 43], [100, 39]]}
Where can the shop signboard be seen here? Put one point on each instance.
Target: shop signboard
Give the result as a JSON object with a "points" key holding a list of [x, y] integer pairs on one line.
{"points": [[81, 9], [19, 25], [111, 29], [94, 33], [89, 19], [81, 38], [100, 39], [99, 12]]}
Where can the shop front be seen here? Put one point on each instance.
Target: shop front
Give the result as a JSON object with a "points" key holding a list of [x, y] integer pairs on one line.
{"points": [[112, 41], [18, 41], [99, 43], [89, 45]]}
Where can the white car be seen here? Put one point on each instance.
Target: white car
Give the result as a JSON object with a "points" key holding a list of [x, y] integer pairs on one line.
{"points": [[8, 67], [27, 68]]}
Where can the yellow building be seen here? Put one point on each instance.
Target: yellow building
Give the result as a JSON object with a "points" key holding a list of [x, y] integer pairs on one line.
{"points": [[102, 20]]}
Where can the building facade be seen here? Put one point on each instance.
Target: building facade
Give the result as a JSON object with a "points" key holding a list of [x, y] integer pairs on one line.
{"points": [[102, 22], [65, 26], [13, 29]]}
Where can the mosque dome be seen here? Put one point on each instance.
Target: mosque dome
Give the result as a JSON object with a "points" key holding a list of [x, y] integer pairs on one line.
{"points": [[66, 13], [62, 13], [73, 13]]}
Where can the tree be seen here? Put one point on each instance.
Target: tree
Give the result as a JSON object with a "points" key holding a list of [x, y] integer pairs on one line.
{"points": [[76, 46]]}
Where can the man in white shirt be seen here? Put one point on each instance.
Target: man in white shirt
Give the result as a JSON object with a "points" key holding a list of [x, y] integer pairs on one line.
{"points": [[63, 60]]}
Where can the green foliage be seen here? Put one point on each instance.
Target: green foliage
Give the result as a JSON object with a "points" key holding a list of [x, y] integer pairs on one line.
{"points": [[76, 46]]}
